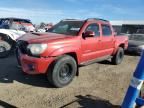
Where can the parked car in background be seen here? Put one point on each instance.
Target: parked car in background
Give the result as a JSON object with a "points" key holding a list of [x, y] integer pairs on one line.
{"points": [[67, 45], [136, 43], [10, 30]]}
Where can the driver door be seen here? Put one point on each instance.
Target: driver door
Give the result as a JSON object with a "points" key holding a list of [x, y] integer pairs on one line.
{"points": [[91, 45]]}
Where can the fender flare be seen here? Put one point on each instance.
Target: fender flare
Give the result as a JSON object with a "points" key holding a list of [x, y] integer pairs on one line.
{"points": [[66, 50], [117, 46]]}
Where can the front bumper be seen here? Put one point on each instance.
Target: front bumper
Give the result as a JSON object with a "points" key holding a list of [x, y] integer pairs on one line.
{"points": [[134, 50], [33, 65]]}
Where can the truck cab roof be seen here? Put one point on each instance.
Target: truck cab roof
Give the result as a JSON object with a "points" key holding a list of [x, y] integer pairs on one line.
{"points": [[89, 19]]}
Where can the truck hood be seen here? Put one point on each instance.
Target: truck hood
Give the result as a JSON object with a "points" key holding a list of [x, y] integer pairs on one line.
{"points": [[43, 37], [134, 43], [14, 34]]}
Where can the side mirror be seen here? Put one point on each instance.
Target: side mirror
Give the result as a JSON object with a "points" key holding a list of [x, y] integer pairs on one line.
{"points": [[89, 34]]}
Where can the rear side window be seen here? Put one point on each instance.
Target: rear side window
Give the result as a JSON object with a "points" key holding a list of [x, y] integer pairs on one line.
{"points": [[106, 30], [94, 28]]}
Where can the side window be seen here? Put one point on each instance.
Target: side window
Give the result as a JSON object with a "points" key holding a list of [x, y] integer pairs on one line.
{"points": [[94, 28], [106, 30]]}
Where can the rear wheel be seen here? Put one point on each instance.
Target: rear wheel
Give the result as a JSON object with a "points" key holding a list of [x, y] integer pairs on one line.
{"points": [[62, 71], [118, 57]]}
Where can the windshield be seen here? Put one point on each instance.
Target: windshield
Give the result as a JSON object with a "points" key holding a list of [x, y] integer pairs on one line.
{"points": [[4, 24], [67, 27], [136, 37]]}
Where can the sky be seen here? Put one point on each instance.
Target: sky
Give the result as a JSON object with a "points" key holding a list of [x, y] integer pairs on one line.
{"points": [[55, 10]]}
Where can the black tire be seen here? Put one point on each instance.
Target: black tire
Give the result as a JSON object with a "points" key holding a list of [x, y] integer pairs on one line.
{"points": [[118, 57], [5, 49], [62, 71], [17, 56]]}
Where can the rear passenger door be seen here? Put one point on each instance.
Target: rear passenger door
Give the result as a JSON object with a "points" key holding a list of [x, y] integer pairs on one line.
{"points": [[107, 41]]}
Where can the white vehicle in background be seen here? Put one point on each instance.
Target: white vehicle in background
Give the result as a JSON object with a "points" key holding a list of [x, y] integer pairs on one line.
{"points": [[41, 30], [44, 27], [10, 30]]}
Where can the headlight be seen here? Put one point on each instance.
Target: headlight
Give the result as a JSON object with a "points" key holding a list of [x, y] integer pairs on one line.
{"points": [[37, 49], [141, 47]]}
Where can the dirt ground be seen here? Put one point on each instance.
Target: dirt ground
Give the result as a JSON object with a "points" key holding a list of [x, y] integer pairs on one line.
{"points": [[99, 85]]}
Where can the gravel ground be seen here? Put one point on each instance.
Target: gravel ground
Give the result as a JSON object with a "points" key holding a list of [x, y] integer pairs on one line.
{"points": [[99, 85]]}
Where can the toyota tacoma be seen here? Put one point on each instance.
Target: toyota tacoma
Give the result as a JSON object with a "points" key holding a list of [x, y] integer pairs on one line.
{"points": [[68, 45]]}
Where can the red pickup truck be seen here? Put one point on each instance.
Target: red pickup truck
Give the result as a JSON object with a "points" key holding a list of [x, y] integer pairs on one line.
{"points": [[67, 45]]}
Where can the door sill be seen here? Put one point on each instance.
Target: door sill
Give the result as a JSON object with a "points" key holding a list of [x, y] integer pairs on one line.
{"points": [[95, 60]]}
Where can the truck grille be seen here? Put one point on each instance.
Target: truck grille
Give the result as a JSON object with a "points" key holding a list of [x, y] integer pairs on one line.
{"points": [[22, 45]]}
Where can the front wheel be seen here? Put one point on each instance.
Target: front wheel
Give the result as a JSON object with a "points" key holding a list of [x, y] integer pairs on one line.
{"points": [[5, 49], [118, 57], [62, 71]]}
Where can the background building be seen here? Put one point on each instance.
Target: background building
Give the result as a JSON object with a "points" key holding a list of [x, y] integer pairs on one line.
{"points": [[128, 26]]}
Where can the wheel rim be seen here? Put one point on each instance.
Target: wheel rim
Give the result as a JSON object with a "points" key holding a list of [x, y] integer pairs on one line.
{"points": [[65, 72], [2, 49], [120, 57]]}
